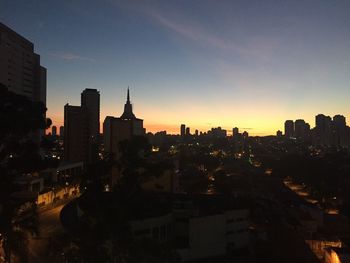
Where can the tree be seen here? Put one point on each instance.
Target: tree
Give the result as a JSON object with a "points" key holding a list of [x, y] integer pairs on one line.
{"points": [[20, 119]]}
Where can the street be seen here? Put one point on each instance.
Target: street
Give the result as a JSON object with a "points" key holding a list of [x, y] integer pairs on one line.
{"points": [[46, 246]]}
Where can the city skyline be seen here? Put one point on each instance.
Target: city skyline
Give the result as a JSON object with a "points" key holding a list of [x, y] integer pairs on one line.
{"points": [[199, 63]]}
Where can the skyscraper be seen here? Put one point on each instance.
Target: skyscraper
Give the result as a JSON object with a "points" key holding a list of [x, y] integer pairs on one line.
{"points": [[182, 129], [76, 134], [289, 128], [116, 129], [61, 131], [299, 131], [188, 131], [339, 121], [235, 132], [339, 131], [20, 69], [323, 130], [320, 120], [128, 114], [81, 128], [90, 101], [54, 131]]}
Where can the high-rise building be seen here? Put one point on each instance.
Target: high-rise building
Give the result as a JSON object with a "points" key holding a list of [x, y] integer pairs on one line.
{"points": [[196, 133], [339, 121], [235, 131], [116, 129], [340, 134], [182, 129], [321, 122], [217, 132], [90, 100], [54, 131], [20, 69], [299, 131], [76, 134], [323, 130], [61, 131], [81, 128], [188, 132], [289, 128]]}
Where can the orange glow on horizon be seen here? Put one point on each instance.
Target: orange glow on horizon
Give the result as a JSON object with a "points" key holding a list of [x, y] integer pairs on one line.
{"points": [[175, 128], [255, 125]]}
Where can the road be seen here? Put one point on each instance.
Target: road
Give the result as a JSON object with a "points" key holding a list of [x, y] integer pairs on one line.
{"points": [[46, 247], [49, 222]]}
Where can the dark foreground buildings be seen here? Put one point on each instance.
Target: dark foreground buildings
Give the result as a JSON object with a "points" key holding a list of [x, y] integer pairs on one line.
{"points": [[20, 69]]}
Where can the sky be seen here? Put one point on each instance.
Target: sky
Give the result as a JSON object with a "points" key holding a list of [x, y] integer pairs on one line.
{"points": [[247, 64]]}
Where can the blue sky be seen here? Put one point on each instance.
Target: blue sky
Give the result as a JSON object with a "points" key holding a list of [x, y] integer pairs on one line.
{"points": [[251, 64]]}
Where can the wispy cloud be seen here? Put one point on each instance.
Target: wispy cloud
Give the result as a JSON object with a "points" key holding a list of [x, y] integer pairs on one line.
{"points": [[68, 56], [192, 32], [258, 47]]}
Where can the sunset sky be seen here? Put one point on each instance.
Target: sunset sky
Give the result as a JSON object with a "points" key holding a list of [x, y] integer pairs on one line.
{"points": [[250, 64]]}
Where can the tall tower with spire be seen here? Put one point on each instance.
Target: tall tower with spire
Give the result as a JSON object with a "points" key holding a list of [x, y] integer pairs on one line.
{"points": [[128, 114], [125, 127]]}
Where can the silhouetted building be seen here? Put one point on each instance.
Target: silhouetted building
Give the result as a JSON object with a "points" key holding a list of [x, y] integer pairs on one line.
{"points": [[323, 133], [289, 128], [339, 121], [321, 122], [235, 131], [188, 132], [196, 132], [217, 132], [302, 130], [307, 135], [54, 131], [81, 128], [116, 129], [76, 134], [20, 69], [128, 114], [340, 134], [182, 129], [61, 131], [299, 131], [90, 100]]}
